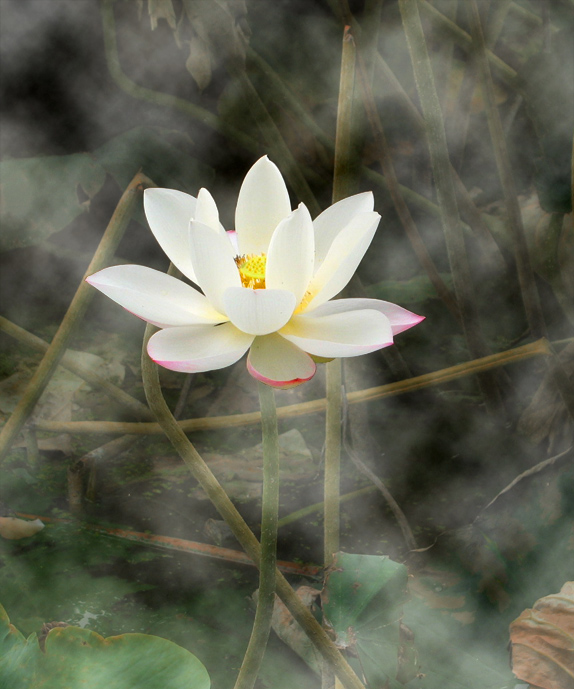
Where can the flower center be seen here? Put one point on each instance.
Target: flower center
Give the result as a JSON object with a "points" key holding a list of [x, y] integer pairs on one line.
{"points": [[252, 270]]}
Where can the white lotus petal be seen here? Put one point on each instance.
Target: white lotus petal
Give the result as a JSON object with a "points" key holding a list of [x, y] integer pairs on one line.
{"points": [[279, 363], [290, 258], [258, 311], [345, 254], [168, 213], [262, 203], [197, 348], [335, 218], [232, 236], [340, 334], [206, 211], [154, 296], [400, 318], [213, 261]]}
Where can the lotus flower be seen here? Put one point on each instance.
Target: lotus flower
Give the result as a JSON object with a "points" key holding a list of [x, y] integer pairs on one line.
{"points": [[265, 287]]}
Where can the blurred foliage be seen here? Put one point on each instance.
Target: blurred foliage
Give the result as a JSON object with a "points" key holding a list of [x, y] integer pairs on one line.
{"points": [[42, 196]]}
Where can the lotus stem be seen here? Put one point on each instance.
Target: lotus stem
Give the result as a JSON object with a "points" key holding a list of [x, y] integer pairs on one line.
{"points": [[469, 368], [203, 475], [344, 184], [269, 517], [76, 311], [332, 495]]}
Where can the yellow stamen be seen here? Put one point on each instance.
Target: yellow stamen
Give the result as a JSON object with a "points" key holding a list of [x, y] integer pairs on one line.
{"points": [[252, 270]]}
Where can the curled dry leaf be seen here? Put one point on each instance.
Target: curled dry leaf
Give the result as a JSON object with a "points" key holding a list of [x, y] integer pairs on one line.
{"points": [[288, 629], [542, 642], [14, 529]]}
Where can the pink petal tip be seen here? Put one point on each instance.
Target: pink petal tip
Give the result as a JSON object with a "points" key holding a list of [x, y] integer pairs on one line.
{"points": [[278, 384]]}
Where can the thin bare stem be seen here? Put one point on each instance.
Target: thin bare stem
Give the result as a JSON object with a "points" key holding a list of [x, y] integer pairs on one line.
{"points": [[270, 508], [470, 368], [386, 493], [320, 506], [78, 307], [344, 184], [331, 489]]}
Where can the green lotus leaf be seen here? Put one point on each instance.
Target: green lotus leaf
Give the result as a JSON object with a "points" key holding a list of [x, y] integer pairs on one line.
{"points": [[362, 601], [75, 657]]}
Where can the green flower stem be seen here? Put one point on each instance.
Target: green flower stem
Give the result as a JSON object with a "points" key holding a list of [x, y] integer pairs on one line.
{"points": [[446, 195], [347, 159], [241, 531], [345, 182], [345, 179], [267, 568], [78, 307], [331, 494], [468, 368]]}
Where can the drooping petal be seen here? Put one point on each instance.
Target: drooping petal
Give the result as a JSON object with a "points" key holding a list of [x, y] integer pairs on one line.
{"points": [[154, 296], [198, 348], [206, 211], [213, 262], [278, 363], [262, 203], [168, 213], [400, 318], [335, 218], [340, 334], [345, 254], [258, 311], [290, 258]]}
